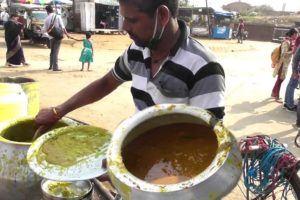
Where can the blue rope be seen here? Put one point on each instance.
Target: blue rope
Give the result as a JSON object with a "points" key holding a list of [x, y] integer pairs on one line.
{"points": [[262, 168]]}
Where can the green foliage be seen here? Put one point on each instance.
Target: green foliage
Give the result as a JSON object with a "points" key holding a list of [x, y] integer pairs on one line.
{"points": [[288, 20], [264, 8], [183, 3]]}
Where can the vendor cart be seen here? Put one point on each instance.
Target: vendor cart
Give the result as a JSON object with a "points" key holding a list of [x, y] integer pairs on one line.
{"points": [[222, 24], [101, 17]]}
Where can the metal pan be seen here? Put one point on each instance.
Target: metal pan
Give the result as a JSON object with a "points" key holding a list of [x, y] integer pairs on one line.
{"points": [[75, 190], [86, 166]]}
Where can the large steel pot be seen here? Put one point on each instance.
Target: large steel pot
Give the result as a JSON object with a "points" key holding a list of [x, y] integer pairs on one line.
{"points": [[215, 181], [17, 180]]}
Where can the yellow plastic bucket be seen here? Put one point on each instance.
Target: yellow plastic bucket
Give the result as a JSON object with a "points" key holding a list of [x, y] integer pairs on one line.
{"points": [[31, 89], [13, 101]]}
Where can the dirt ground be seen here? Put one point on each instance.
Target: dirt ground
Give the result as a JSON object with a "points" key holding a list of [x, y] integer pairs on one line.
{"points": [[249, 108]]}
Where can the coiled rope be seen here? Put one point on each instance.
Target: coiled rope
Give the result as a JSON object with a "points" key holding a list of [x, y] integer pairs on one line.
{"points": [[265, 166]]}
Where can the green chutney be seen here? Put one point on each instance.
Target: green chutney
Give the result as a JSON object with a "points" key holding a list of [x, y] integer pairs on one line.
{"points": [[71, 145]]}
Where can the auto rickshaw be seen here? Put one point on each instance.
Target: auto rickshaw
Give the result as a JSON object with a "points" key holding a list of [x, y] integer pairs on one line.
{"points": [[33, 18]]}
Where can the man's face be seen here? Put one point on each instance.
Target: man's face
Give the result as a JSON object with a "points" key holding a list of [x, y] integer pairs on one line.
{"points": [[138, 25], [295, 36], [15, 18]]}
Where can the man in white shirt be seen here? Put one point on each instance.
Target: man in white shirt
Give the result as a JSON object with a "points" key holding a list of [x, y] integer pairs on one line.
{"points": [[4, 16], [54, 42]]}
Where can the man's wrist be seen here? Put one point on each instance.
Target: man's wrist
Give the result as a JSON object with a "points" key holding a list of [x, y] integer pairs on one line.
{"points": [[56, 113]]}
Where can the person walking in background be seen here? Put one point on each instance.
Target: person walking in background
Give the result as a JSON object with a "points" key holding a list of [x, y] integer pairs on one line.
{"points": [[14, 54], [56, 21], [296, 43], [87, 51], [294, 80], [296, 65], [70, 18], [281, 68], [240, 31], [4, 16]]}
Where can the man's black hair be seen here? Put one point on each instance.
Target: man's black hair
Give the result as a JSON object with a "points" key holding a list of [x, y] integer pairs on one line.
{"points": [[49, 9], [88, 34], [150, 6], [14, 15]]}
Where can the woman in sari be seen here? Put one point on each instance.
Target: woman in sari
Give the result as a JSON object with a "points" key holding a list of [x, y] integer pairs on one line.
{"points": [[14, 54]]}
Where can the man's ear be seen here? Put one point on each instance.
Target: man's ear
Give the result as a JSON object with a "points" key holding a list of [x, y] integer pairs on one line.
{"points": [[164, 14]]}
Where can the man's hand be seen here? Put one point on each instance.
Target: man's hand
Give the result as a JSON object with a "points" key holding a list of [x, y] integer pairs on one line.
{"points": [[47, 116], [45, 119], [295, 75], [40, 131]]}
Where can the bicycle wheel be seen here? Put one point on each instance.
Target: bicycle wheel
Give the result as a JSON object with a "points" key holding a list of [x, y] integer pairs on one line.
{"points": [[270, 171], [295, 183], [290, 190], [297, 140]]}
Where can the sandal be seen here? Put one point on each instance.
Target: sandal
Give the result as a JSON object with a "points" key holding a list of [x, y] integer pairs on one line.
{"points": [[8, 64]]}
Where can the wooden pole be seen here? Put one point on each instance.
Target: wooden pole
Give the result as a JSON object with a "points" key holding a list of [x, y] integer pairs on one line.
{"points": [[8, 3], [208, 18]]}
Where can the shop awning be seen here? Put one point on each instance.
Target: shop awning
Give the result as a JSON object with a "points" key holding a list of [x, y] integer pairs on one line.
{"points": [[108, 2], [42, 2], [66, 2], [223, 13]]}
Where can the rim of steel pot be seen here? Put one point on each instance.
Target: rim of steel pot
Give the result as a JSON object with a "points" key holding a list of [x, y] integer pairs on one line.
{"points": [[118, 169], [9, 123], [87, 168]]}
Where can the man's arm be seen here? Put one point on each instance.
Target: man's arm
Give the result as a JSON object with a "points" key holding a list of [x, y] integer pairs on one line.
{"points": [[61, 24], [46, 25], [91, 93], [208, 89]]}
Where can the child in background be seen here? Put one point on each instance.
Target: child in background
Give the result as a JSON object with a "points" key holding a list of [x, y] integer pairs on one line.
{"points": [[87, 52]]}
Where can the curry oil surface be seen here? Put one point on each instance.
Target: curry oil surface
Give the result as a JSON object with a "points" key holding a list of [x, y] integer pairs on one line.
{"points": [[171, 154]]}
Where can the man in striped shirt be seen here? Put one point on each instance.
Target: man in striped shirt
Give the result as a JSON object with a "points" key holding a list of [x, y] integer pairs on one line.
{"points": [[164, 64]]}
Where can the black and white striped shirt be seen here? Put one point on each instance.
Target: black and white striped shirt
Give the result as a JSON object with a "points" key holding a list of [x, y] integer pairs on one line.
{"points": [[190, 75]]}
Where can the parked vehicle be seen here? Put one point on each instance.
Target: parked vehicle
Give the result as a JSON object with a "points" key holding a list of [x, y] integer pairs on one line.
{"points": [[279, 34], [199, 31], [33, 32], [33, 18]]}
